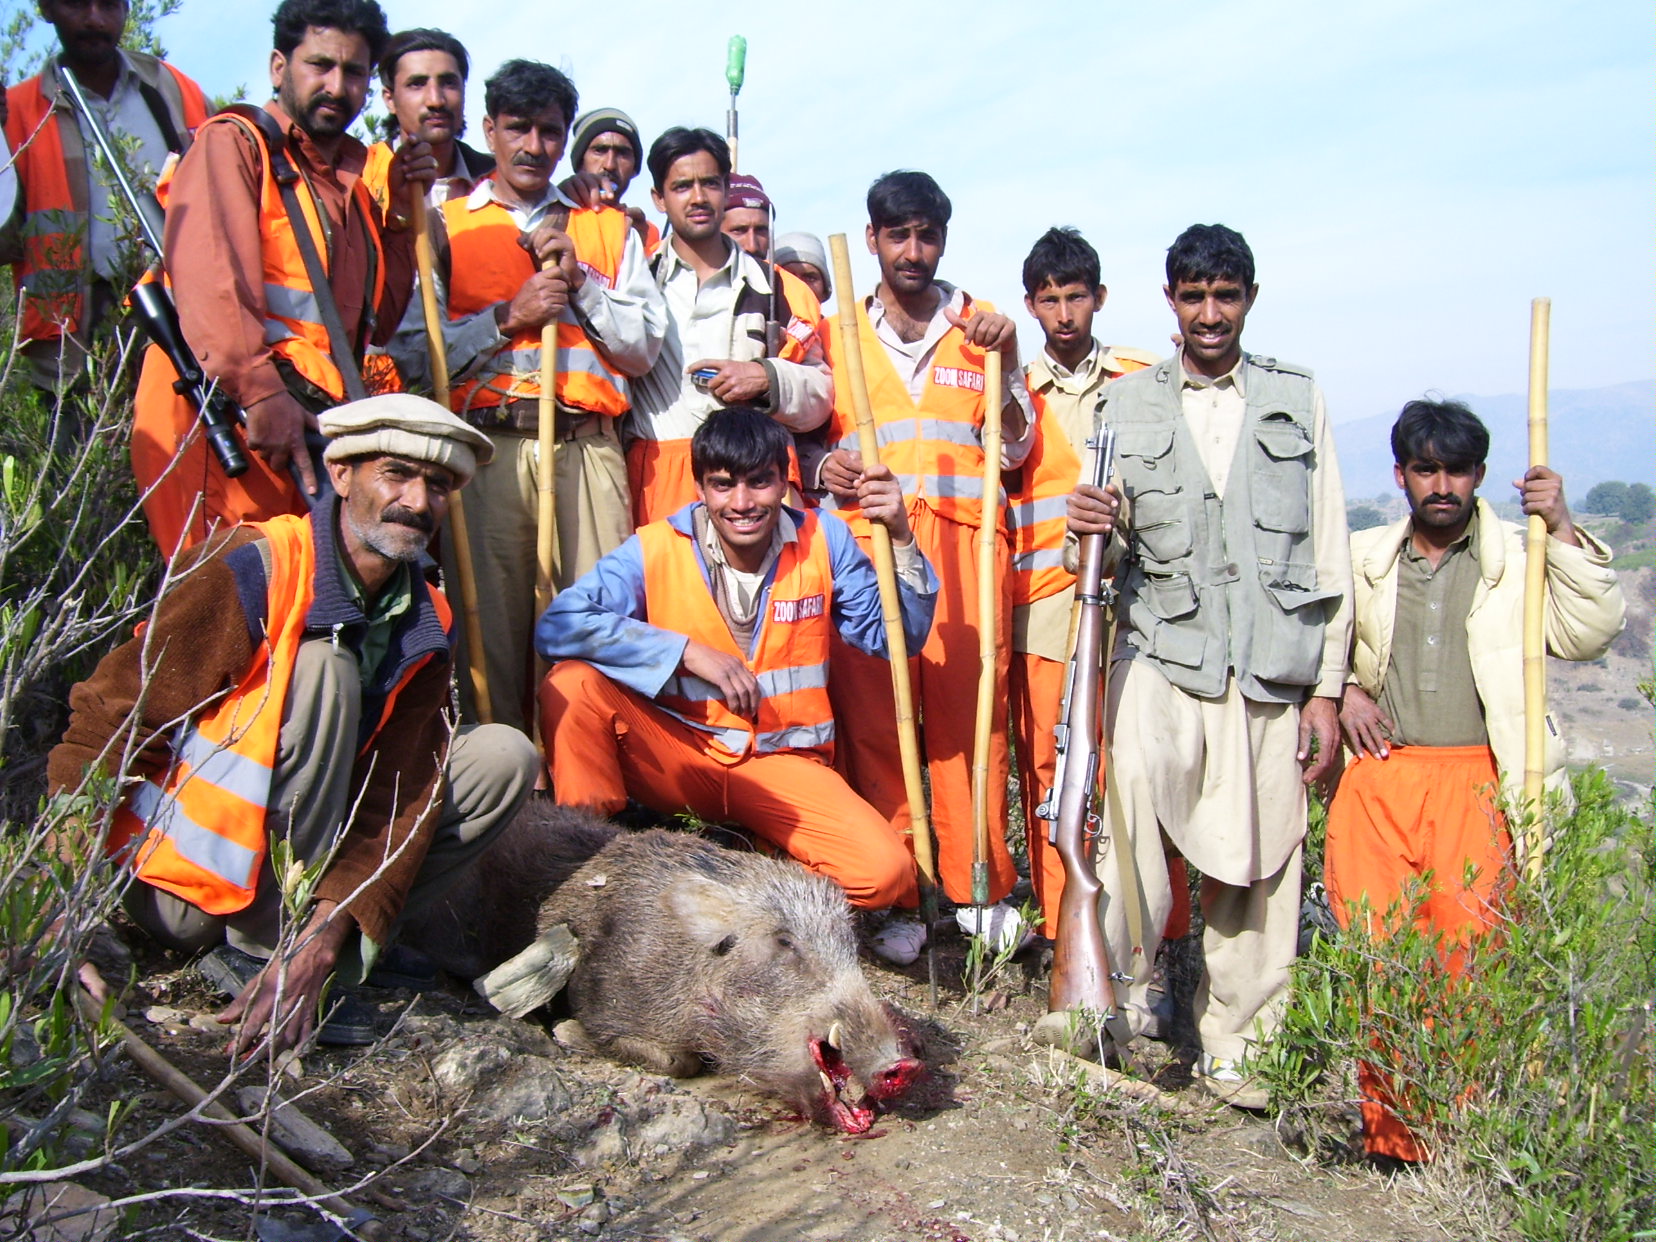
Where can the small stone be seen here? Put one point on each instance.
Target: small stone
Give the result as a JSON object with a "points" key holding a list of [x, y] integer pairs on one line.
{"points": [[466, 1161], [593, 1220], [165, 1015], [91, 1221], [577, 1196], [295, 1133]]}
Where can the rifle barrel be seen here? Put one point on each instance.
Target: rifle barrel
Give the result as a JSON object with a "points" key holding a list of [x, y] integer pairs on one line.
{"points": [[146, 211]]}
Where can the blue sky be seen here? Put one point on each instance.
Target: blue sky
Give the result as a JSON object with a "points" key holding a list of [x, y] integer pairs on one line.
{"points": [[1409, 173]]}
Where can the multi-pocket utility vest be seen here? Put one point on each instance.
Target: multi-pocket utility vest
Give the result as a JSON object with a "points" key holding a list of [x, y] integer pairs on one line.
{"points": [[790, 644], [488, 265], [1213, 586]]}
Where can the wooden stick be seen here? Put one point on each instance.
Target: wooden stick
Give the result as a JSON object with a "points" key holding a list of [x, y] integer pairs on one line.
{"points": [[849, 337], [546, 525], [1529, 841], [457, 511], [988, 625], [243, 1137]]}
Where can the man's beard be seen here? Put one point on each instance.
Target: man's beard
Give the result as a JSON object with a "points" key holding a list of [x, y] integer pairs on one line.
{"points": [[392, 537]]}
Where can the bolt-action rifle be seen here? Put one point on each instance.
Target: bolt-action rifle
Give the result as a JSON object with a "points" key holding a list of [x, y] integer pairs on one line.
{"points": [[1082, 980], [154, 305]]}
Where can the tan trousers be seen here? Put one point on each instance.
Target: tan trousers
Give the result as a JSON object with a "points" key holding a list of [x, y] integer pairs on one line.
{"points": [[1219, 777], [502, 503], [490, 772]]}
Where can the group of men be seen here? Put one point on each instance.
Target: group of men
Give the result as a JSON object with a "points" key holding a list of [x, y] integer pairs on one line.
{"points": [[716, 641]]}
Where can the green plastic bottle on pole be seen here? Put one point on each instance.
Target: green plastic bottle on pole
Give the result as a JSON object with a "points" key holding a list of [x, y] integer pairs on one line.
{"points": [[735, 71]]}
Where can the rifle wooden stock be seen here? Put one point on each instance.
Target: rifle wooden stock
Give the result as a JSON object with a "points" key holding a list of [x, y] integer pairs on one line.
{"points": [[1081, 974]]}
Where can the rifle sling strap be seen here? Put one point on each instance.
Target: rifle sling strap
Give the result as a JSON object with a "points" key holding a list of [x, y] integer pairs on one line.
{"points": [[287, 177]]}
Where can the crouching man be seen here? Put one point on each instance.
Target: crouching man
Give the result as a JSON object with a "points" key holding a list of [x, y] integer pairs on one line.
{"points": [[692, 662], [291, 687]]}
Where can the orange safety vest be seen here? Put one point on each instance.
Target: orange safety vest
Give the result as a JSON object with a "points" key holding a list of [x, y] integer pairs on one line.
{"points": [[52, 271], [201, 835], [1036, 510], [790, 650], [487, 266], [293, 326], [934, 447], [1036, 506]]}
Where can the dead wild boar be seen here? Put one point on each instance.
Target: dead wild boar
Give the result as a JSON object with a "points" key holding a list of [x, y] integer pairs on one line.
{"points": [[690, 955], [693, 954]]}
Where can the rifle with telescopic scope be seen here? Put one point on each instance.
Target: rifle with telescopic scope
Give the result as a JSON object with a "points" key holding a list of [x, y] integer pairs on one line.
{"points": [[154, 305]]}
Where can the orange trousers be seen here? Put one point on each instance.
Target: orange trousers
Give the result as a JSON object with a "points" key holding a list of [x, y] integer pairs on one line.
{"points": [[606, 743], [188, 491], [1425, 809], [1037, 686], [945, 678]]}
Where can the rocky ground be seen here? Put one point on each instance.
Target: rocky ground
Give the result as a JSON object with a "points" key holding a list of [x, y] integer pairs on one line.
{"points": [[488, 1129]]}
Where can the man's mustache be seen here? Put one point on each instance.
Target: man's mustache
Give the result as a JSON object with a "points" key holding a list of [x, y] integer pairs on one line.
{"points": [[397, 515]]}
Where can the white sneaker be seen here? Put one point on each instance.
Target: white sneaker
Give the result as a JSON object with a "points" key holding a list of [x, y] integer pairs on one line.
{"points": [[1229, 1081], [1001, 924], [899, 941]]}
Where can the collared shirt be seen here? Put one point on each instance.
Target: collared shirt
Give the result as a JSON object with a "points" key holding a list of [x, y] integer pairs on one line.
{"points": [[1215, 411], [912, 362], [125, 114], [627, 322], [382, 613], [702, 323], [1429, 693]]}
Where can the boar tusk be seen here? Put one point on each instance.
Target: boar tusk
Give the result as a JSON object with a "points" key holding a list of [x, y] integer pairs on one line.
{"points": [[834, 1035], [827, 1083], [598, 881]]}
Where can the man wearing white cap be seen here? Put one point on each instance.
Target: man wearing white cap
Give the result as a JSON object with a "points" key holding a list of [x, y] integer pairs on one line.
{"points": [[315, 722], [803, 254]]}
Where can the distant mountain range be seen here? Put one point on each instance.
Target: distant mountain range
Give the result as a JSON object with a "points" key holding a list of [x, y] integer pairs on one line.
{"points": [[1594, 434]]}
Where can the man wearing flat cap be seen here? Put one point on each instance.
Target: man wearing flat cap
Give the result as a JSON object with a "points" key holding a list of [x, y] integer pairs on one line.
{"points": [[286, 700]]}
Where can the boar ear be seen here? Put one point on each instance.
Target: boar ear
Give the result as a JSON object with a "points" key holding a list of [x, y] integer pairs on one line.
{"points": [[702, 908]]}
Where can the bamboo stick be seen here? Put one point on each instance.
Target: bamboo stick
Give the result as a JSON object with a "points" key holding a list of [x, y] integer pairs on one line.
{"points": [[457, 510], [850, 372], [1529, 842], [546, 522], [988, 602]]}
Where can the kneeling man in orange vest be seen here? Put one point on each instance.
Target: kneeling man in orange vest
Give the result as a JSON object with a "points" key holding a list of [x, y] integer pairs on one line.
{"points": [[691, 664], [290, 687]]}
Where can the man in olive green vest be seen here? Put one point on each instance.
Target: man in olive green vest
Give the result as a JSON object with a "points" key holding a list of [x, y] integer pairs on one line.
{"points": [[1235, 623]]}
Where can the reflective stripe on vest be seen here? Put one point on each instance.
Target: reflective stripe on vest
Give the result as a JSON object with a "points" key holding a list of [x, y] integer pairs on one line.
{"points": [[1037, 511], [293, 326], [790, 647], [199, 831], [935, 448], [54, 268], [487, 266]]}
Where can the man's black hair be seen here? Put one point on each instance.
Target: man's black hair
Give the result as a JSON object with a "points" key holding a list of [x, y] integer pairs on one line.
{"points": [[901, 196], [1205, 252], [420, 39], [1447, 432], [361, 17], [528, 88], [738, 440], [1061, 257], [678, 142]]}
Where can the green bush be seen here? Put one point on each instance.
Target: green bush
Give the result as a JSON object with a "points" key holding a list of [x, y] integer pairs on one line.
{"points": [[1530, 1073]]}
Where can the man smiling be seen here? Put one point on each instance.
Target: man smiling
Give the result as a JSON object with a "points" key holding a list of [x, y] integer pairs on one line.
{"points": [[1231, 652], [691, 665], [586, 275]]}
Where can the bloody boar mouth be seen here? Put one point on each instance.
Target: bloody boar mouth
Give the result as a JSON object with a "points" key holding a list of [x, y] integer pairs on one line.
{"points": [[852, 1117]]}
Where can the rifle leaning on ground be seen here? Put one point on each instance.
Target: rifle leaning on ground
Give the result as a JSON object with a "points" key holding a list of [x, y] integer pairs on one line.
{"points": [[154, 305], [1082, 981]]}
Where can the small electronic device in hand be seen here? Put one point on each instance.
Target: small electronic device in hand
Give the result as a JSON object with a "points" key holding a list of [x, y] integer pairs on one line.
{"points": [[701, 377]]}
